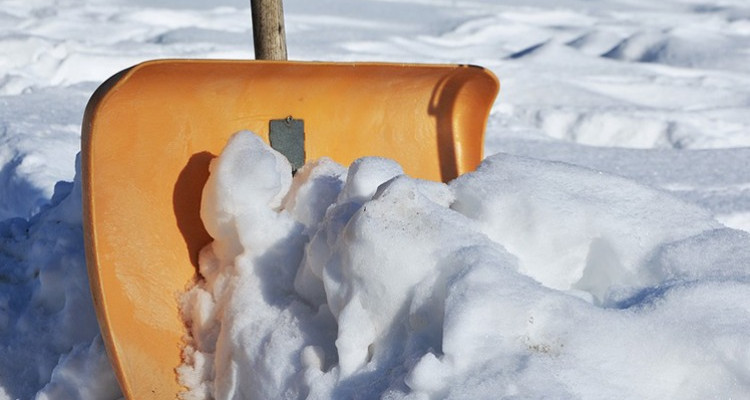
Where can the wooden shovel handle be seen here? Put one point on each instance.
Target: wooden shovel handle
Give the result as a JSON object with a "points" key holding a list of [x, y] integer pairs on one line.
{"points": [[268, 30]]}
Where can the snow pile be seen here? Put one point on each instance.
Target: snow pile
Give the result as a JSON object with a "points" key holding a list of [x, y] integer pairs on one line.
{"points": [[527, 277], [49, 337]]}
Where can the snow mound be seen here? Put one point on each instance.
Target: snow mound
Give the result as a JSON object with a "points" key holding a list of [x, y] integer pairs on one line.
{"points": [[49, 337], [576, 228], [679, 47], [526, 277]]}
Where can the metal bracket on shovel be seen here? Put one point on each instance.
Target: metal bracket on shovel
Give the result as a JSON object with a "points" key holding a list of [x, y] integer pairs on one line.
{"points": [[287, 136]]}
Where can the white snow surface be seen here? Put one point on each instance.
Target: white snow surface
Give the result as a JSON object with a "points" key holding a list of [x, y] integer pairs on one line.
{"points": [[591, 256], [526, 278]]}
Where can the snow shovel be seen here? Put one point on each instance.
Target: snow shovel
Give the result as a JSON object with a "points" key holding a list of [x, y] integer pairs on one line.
{"points": [[150, 131]]}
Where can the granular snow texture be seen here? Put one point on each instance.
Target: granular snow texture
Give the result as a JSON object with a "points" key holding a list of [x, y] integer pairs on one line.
{"points": [[525, 278]]}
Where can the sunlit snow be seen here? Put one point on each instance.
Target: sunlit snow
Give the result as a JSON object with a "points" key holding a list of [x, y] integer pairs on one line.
{"points": [[600, 251]]}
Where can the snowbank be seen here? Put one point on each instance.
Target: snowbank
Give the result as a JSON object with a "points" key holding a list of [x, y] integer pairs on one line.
{"points": [[49, 336], [527, 277]]}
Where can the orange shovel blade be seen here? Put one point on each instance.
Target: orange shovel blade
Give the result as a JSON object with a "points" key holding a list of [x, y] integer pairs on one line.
{"points": [[148, 136]]}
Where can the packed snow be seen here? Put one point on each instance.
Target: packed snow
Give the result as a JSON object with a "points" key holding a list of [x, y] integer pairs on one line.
{"points": [[525, 278], [600, 251]]}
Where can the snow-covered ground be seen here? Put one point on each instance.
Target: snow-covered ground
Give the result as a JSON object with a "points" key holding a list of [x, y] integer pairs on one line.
{"points": [[613, 280]]}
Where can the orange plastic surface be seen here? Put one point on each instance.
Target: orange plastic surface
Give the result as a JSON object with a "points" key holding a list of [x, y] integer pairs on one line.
{"points": [[150, 132]]}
